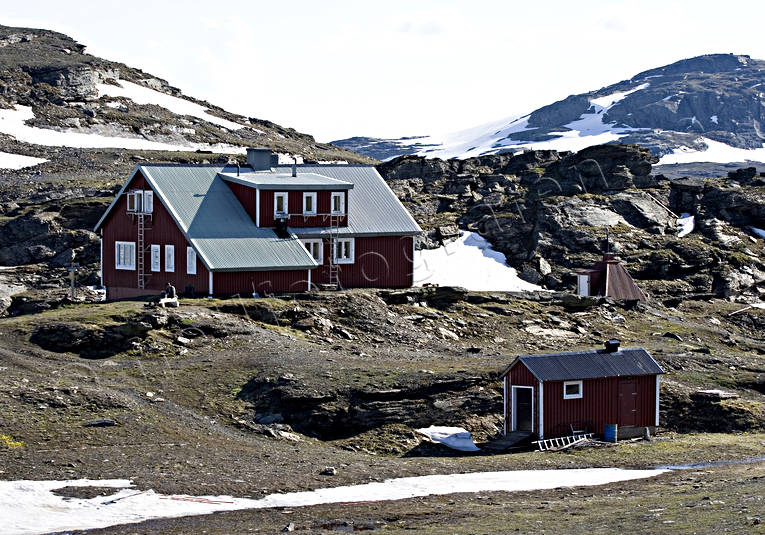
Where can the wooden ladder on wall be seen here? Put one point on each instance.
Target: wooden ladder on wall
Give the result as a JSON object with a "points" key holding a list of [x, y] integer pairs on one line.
{"points": [[143, 277], [334, 234]]}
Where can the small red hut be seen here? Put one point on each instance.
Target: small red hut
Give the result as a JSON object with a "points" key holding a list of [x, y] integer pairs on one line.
{"points": [[551, 395]]}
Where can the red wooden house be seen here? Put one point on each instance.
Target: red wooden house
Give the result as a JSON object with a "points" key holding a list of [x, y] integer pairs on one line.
{"points": [[551, 395], [264, 227]]}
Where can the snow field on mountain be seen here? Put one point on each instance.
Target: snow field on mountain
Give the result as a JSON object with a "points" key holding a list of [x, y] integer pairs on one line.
{"points": [[18, 161]]}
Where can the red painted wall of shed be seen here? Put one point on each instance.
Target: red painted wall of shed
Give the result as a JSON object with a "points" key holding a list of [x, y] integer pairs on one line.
{"points": [[263, 282], [519, 375], [379, 262], [295, 208], [160, 230], [598, 406]]}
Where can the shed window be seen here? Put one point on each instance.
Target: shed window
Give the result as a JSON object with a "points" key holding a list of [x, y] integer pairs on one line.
{"points": [[572, 389], [125, 255], [191, 261], [140, 202], [309, 203], [280, 204]]}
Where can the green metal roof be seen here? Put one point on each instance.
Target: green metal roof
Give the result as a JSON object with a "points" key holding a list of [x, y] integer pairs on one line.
{"points": [[216, 224], [285, 181]]}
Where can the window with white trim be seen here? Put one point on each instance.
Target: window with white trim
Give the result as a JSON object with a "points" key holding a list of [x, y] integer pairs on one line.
{"points": [[191, 261], [309, 203], [344, 250], [125, 255], [572, 389], [316, 249], [281, 206], [156, 257], [170, 258], [338, 203], [140, 201]]}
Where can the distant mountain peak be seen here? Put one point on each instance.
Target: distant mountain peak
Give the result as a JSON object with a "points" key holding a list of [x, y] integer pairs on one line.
{"points": [[705, 108]]}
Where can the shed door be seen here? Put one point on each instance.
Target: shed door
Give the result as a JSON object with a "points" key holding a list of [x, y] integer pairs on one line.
{"points": [[523, 408], [628, 402]]}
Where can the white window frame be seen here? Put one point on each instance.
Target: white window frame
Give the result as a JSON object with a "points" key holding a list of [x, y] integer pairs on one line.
{"points": [[340, 195], [573, 396], [191, 261], [284, 195], [319, 244], [156, 254], [148, 201], [131, 201], [351, 244], [170, 258], [121, 265], [309, 195]]}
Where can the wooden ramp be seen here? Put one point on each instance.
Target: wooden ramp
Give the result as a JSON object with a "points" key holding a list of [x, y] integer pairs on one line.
{"points": [[507, 441]]}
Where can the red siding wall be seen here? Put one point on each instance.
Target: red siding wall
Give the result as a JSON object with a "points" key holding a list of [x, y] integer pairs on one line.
{"points": [[248, 197], [520, 375], [598, 406], [379, 262], [263, 282], [295, 208], [160, 230]]}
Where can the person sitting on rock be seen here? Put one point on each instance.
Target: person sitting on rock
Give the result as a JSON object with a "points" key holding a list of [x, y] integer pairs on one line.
{"points": [[170, 291]]}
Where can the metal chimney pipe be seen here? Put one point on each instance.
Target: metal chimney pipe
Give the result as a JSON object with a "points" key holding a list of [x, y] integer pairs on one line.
{"points": [[294, 169]]}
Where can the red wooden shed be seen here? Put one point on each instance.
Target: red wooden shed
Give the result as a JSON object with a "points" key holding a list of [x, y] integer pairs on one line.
{"points": [[550, 395]]}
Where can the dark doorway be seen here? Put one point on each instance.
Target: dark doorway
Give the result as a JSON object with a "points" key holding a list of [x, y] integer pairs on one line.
{"points": [[628, 403], [523, 408]]}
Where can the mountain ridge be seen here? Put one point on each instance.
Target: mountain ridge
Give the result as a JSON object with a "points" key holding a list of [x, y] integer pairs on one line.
{"points": [[692, 105]]}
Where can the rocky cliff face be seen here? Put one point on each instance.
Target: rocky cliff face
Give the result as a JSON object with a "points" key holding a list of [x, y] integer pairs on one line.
{"points": [[548, 213], [53, 75]]}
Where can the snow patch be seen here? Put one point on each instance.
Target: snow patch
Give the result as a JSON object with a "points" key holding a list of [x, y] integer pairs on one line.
{"points": [[18, 161], [758, 231], [29, 507], [714, 119], [13, 123], [469, 262], [685, 224], [455, 438], [716, 152], [144, 95]]}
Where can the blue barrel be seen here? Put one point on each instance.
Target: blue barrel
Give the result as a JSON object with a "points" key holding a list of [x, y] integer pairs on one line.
{"points": [[610, 432]]}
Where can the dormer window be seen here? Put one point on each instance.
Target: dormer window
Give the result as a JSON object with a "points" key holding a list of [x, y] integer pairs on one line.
{"points": [[338, 203], [280, 204], [309, 203], [140, 201]]}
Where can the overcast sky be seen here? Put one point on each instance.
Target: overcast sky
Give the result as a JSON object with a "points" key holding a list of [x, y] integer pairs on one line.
{"points": [[337, 69]]}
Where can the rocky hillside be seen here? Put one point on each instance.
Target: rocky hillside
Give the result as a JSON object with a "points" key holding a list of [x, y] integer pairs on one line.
{"points": [[77, 111], [548, 211], [678, 107]]}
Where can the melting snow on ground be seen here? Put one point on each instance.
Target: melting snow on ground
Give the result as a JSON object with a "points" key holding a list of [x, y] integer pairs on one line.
{"points": [[13, 123], [28, 507], [144, 95], [685, 224], [716, 152], [469, 262], [456, 438], [18, 161]]}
